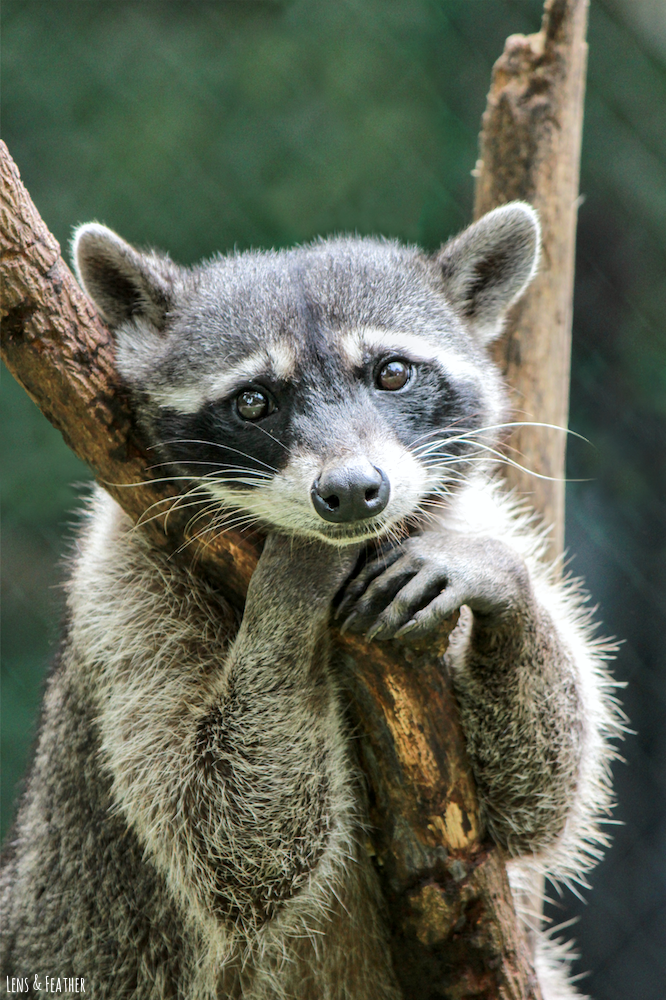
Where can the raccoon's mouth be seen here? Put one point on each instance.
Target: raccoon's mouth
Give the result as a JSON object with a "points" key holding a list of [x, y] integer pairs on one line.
{"points": [[351, 534], [360, 531]]}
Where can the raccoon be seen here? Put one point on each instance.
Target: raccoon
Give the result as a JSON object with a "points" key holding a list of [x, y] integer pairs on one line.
{"points": [[193, 824]]}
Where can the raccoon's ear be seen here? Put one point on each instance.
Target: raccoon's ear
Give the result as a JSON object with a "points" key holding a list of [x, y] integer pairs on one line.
{"points": [[490, 264], [123, 283]]}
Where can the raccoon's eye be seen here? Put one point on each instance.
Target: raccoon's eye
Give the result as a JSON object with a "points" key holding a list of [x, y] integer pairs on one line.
{"points": [[394, 374], [253, 405]]}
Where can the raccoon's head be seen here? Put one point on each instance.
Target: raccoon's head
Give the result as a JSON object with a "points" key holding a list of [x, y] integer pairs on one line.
{"points": [[337, 389]]}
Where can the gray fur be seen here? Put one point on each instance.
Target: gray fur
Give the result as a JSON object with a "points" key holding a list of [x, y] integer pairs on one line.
{"points": [[489, 266], [193, 825]]}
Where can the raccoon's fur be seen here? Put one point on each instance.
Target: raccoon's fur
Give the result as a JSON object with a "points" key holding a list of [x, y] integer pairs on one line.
{"points": [[192, 824]]}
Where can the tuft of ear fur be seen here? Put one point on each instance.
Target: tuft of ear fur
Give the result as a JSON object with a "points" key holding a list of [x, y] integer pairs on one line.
{"points": [[490, 264], [123, 283]]}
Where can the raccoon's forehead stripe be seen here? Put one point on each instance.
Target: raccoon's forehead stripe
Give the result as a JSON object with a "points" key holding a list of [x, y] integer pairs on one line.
{"points": [[355, 343], [275, 360]]}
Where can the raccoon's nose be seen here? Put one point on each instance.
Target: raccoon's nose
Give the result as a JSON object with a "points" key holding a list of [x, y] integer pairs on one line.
{"points": [[350, 492]]}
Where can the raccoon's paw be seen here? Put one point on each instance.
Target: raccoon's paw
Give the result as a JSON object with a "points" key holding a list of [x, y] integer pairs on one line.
{"points": [[410, 589], [291, 564]]}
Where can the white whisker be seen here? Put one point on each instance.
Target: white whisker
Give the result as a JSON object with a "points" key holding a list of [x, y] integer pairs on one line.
{"points": [[223, 447]]}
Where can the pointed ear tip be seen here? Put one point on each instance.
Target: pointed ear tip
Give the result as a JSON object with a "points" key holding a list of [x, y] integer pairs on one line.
{"points": [[89, 235], [520, 211]]}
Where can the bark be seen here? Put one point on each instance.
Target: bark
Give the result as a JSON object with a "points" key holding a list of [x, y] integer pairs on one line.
{"points": [[453, 928], [530, 149]]}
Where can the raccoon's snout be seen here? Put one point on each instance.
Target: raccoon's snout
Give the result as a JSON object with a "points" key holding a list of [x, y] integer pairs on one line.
{"points": [[350, 492]]}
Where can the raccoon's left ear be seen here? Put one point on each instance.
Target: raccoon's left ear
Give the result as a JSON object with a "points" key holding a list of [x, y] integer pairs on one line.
{"points": [[123, 283], [489, 265]]}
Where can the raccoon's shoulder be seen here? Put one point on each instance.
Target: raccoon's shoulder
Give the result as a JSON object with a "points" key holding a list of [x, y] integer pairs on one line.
{"points": [[484, 507], [126, 598]]}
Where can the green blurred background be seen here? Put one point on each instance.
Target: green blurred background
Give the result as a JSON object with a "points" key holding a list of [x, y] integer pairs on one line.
{"points": [[200, 126]]}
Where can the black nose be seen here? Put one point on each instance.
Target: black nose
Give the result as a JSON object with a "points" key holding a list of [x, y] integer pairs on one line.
{"points": [[350, 492]]}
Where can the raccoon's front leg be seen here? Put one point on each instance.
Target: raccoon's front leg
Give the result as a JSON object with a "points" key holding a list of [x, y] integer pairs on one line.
{"points": [[267, 801], [516, 682], [254, 807]]}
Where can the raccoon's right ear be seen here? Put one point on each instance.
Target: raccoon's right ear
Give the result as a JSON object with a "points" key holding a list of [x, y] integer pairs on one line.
{"points": [[123, 283], [489, 265]]}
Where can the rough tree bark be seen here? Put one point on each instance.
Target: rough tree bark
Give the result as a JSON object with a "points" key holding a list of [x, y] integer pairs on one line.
{"points": [[530, 149], [453, 927]]}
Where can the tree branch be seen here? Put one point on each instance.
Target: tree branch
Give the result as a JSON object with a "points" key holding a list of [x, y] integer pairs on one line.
{"points": [[530, 149]]}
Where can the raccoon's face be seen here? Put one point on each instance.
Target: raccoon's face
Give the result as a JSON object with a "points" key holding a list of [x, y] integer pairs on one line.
{"points": [[337, 390]]}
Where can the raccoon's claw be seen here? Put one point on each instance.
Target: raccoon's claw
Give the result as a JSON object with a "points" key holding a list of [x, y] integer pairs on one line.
{"points": [[430, 618], [362, 580], [409, 627], [348, 623], [408, 617], [410, 596], [367, 606]]}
